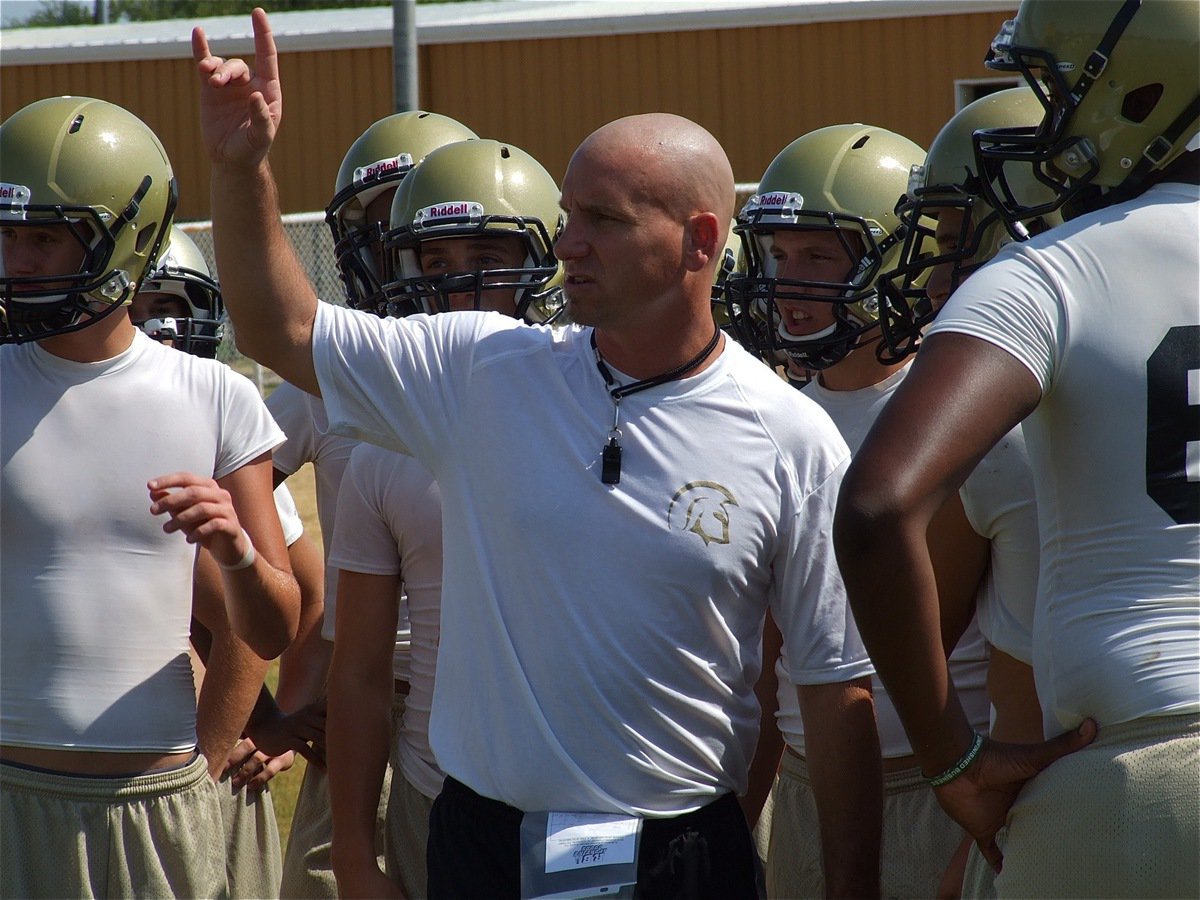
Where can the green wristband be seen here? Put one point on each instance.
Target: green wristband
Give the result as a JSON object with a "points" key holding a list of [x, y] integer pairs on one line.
{"points": [[961, 766]]}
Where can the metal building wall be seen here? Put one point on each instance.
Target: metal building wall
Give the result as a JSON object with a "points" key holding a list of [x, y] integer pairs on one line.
{"points": [[756, 89], [329, 98]]}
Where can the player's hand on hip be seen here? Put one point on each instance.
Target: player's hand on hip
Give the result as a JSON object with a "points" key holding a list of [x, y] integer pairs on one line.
{"points": [[240, 106], [981, 797]]}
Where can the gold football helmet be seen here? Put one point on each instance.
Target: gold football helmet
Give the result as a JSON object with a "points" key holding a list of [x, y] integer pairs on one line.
{"points": [[94, 176], [375, 163], [843, 179], [1120, 94], [477, 188], [948, 181]]}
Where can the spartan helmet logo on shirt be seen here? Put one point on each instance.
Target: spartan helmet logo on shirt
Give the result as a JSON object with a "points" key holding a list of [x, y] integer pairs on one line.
{"points": [[701, 507]]}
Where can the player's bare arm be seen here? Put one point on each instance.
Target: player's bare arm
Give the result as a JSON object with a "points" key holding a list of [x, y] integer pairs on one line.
{"points": [[360, 698], [266, 290], [234, 519], [842, 745], [960, 399], [233, 672]]}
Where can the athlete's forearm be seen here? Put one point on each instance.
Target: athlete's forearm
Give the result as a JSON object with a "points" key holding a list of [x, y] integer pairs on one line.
{"points": [[842, 750], [266, 290], [304, 665], [901, 627], [233, 673], [358, 738]]}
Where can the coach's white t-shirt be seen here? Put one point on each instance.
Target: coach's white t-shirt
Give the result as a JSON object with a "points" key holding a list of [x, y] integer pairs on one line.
{"points": [[600, 643], [97, 599], [1105, 312], [389, 522]]}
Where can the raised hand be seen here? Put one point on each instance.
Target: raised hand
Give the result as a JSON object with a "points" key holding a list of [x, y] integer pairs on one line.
{"points": [[981, 797], [240, 107]]}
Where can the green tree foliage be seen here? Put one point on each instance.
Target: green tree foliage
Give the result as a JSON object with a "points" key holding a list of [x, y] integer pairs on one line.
{"points": [[61, 12]]}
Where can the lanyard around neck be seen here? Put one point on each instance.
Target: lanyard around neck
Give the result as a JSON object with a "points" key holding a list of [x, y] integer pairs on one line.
{"points": [[610, 457]]}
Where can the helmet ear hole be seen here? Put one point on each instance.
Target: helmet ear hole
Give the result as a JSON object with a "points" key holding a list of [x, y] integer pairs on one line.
{"points": [[196, 296], [145, 237], [1139, 103]]}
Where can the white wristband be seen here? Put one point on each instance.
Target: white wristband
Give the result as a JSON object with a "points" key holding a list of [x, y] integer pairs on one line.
{"points": [[247, 559]]}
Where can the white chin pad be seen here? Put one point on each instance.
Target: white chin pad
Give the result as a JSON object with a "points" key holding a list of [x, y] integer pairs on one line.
{"points": [[787, 336]]}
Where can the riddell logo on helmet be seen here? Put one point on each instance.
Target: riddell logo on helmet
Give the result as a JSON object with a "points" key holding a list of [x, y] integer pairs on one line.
{"points": [[445, 210], [383, 167], [450, 213], [776, 199], [14, 201]]}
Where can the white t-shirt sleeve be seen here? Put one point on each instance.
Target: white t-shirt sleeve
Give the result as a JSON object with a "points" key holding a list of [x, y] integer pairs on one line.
{"points": [[362, 537], [289, 516], [247, 429], [820, 637], [398, 383], [1009, 303]]}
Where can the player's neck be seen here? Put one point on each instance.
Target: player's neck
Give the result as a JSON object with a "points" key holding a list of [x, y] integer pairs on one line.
{"points": [[108, 337], [859, 369]]}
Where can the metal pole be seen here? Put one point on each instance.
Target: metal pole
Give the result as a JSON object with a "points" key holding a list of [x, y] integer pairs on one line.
{"points": [[404, 55], [100, 12]]}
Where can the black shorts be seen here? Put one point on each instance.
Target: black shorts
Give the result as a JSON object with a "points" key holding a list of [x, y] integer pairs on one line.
{"points": [[475, 846]]}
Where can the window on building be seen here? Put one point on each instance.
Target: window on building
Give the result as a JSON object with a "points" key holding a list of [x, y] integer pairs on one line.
{"points": [[968, 90]]}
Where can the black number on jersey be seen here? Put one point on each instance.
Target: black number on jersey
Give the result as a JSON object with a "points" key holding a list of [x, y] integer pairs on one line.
{"points": [[1171, 422]]}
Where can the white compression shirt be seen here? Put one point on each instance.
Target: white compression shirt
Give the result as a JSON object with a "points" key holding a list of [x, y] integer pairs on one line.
{"points": [[390, 523], [1104, 312], [97, 598]]}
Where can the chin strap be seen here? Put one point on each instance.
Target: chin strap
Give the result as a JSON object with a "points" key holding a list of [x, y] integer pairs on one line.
{"points": [[1097, 61], [1159, 148]]}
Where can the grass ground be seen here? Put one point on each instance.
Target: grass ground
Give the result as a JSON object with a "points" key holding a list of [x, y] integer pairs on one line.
{"points": [[286, 785]]}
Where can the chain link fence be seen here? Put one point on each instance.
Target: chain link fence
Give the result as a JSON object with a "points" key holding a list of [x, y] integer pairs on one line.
{"points": [[314, 245]]}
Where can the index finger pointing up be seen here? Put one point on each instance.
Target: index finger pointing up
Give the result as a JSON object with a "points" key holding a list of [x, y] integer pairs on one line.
{"points": [[200, 51], [266, 60]]}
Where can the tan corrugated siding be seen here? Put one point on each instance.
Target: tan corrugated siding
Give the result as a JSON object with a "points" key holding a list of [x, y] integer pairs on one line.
{"points": [[756, 89], [343, 93], [771, 84]]}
